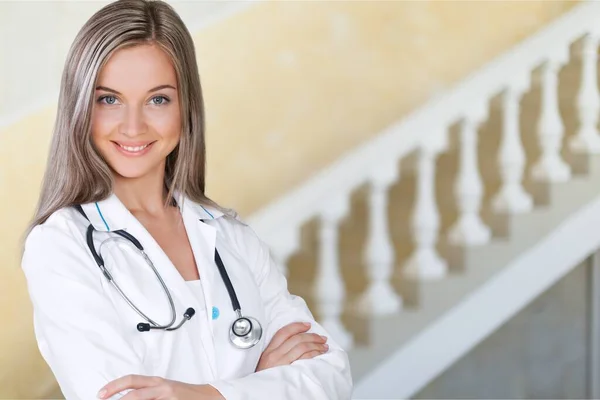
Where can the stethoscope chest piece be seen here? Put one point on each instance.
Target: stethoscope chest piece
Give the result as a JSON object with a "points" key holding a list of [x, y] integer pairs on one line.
{"points": [[245, 332]]}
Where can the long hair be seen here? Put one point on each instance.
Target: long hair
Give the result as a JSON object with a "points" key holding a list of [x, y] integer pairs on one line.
{"points": [[75, 171]]}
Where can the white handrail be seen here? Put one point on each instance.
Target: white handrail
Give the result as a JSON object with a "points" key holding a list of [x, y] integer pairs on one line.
{"points": [[408, 369], [513, 69]]}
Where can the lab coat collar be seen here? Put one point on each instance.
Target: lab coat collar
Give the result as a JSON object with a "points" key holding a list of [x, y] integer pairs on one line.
{"points": [[111, 214], [104, 214], [204, 212]]}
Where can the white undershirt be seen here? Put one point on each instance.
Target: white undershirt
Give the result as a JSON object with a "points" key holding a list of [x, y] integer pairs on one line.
{"points": [[196, 287]]}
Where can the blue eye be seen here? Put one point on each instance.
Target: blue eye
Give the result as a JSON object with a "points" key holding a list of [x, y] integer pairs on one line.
{"points": [[164, 100], [110, 100]]}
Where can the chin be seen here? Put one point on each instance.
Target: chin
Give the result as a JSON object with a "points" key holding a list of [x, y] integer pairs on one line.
{"points": [[131, 173]]}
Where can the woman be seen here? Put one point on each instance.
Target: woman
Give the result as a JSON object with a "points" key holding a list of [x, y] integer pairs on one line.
{"points": [[128, 148]]}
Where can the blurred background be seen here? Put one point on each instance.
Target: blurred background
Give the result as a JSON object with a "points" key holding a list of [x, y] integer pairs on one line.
{"points": [[425, 172]]}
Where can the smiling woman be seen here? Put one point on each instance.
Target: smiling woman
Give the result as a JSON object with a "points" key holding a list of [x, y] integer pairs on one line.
{"points": [[124, 232], [135, 121]]}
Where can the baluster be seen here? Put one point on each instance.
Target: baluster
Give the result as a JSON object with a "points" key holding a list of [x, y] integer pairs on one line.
{"points": [[425, 263], [330, 292], [512, 198], [380, 298], [287, 243], [587, 139], [550, 166], [469, 229]]}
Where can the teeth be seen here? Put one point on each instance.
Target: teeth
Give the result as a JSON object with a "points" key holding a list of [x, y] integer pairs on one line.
{"points": [[134, 149]]}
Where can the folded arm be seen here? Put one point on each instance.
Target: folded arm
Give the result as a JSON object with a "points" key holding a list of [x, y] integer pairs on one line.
{"points": [[325, 377]]}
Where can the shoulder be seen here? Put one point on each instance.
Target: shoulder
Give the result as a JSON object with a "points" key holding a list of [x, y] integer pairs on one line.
{"points": [[57, 242], [233, 228], [63, 223]]}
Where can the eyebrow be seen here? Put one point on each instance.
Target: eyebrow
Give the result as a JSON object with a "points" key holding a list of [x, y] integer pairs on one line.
{"points": [[106, 89]]}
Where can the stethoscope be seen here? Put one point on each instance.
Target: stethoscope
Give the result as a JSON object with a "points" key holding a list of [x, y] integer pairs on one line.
{"points": [[245, 331]]}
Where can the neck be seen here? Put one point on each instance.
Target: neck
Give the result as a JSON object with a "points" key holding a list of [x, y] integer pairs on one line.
{"points": [[145, 194]]}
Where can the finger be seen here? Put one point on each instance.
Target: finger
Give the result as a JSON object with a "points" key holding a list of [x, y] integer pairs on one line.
{"points": [[285, 333], [148, 393], [302, 349], [310, 354], [275, 359], [127, 382], [298, 339]]}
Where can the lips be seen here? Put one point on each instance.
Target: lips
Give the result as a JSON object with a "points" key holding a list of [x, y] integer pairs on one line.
{"points": [[134, 149]]}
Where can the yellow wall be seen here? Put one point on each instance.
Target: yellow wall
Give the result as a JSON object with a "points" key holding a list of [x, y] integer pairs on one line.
{"points": [[289, 87], [292, 86]]}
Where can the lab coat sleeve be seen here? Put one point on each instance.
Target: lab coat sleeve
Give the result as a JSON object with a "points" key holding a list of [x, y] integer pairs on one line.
{"points": [[78, 331], [325, 377]]}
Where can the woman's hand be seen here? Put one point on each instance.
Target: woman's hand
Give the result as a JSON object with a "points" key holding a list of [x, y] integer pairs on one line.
{"points": [[156, 388], [291, 343]]}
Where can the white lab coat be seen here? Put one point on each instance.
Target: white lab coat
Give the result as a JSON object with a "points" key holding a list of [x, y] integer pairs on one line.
{"points": [[87, 333]]}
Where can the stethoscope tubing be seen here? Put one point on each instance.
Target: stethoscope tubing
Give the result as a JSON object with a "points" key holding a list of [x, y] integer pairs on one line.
{"points": [[241, 341], [112, 281]]}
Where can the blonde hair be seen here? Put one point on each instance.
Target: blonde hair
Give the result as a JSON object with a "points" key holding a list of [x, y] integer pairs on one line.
{"points": [[75, 171]]}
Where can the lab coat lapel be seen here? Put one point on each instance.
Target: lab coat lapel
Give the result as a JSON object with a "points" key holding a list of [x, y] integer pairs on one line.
{"points": [[114, 211], [203, 240]]}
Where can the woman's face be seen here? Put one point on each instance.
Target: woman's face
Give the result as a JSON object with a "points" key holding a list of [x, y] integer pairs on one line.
{"points": [[136, 120]]}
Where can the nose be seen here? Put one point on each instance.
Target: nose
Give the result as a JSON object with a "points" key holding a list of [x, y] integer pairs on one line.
{"points": [[133, 123]]}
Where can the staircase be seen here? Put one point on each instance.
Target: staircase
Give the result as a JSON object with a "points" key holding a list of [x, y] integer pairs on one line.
{"points": [[421, 243]]}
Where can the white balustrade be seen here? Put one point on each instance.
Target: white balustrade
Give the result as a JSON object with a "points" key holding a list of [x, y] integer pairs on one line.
{"points": [[425, 262], [469, 229], [419, 132], [587, 139], [329, 290], [550, 166], [287, 242], [512, 197], [380, 297]]}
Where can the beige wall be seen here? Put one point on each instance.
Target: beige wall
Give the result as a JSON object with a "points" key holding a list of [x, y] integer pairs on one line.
{"points": [[292, 86], [289, 87]]}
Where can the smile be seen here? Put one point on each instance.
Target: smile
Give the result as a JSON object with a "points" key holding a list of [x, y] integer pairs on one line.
{"points": [[133, 150]]}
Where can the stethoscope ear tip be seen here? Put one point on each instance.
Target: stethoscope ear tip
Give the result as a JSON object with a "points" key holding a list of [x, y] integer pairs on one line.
{"points": [[244, 333], [189, 313], [143, 327]]}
